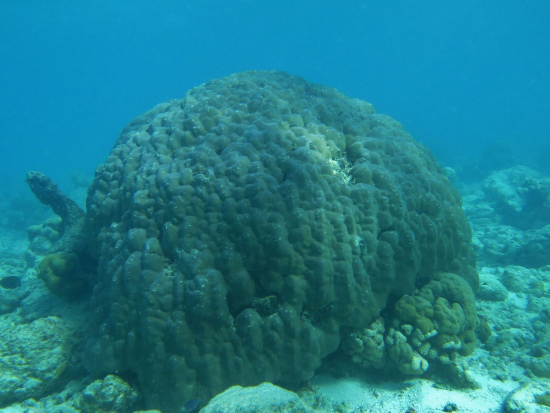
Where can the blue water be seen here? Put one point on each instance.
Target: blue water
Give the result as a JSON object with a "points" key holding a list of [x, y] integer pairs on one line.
{"points": [[469, 79], [458, 75]]}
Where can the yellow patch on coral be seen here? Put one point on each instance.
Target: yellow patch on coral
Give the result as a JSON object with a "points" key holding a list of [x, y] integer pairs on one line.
{"points": [[58, 271]]}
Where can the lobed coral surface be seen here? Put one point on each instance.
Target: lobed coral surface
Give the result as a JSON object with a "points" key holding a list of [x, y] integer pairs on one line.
{"points": [[239, 228]]}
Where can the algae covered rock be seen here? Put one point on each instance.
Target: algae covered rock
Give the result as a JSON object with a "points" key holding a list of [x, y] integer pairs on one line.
{"points": [[533, 253], [110, 395], [266, 398], [490, 288], [529, 397], [13, 290], [33, 358], [540, 366], [521, 195], [73, 238], [239, 228], [500, 245], [45, 238], [522, 280]]}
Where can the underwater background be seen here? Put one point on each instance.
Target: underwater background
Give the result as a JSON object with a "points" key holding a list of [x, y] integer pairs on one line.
{"points": [[469, 80], [460, 76]]}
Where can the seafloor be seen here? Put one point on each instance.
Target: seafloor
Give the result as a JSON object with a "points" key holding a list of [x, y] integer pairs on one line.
{"points": [[509, 210]]}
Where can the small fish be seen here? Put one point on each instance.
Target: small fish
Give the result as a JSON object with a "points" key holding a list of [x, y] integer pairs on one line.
{"points": [[190, 406], [10, 282]]}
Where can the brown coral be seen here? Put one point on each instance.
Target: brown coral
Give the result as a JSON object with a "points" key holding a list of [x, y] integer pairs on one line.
{"points": [[237, 229]]}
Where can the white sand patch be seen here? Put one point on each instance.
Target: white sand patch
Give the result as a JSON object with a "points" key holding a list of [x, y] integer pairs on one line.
{"points": [[355, 395]]}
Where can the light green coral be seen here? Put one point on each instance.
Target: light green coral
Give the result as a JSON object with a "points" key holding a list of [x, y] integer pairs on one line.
{"points": [[417, 311], [440, 321], [406, 359], [366, 346]]}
